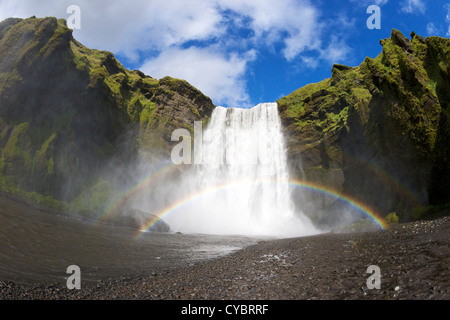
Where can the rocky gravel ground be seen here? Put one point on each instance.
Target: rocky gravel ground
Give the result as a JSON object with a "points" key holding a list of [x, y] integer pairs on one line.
{"points": [[414, 261]]}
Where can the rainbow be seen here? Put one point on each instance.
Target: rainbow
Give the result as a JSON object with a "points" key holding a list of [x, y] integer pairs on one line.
{"points": [[355, 203], [366, 210], [388, 179], [134, 190]]}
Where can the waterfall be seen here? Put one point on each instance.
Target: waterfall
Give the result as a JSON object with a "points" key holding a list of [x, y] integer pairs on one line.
{"points": [[242, 185]]}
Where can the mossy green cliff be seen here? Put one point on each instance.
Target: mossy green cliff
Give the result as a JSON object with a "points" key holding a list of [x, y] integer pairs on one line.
{"points": [[379, 131], [66, 110]]}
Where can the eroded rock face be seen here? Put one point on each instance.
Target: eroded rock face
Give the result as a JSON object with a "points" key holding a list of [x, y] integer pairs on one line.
{"points": [[378, 131], [67, 110]]}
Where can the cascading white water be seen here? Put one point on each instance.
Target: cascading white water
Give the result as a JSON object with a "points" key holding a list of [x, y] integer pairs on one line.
{"points": [[242, 185]]}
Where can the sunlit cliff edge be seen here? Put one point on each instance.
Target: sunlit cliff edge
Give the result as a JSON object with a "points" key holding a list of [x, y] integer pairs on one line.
{"points": [[67, 110], [378, 132]]}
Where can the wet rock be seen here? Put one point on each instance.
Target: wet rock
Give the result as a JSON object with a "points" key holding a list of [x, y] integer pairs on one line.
{"points": [[139, 219]]}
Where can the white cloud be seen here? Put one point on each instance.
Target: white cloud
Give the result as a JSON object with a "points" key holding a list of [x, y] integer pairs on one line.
{"points": [[123, 26], [447, 18], [366, 3], [431, 29], [309, 62], [190, 33], [413, 6], [129, 26], [296, 23], [439, 29], [217, 75], [337, 51]]}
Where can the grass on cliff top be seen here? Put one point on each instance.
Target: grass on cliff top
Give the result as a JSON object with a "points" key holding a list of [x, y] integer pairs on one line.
{"points": [[326, 104], [129, 87], [404, 80]]}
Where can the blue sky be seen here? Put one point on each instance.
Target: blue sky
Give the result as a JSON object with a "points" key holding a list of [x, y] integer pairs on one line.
{"points": [[240, 53]]}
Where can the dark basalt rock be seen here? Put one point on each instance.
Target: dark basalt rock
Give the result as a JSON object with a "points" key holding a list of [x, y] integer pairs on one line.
{"points": [[377, 131], [67, 110], [138, 219]]}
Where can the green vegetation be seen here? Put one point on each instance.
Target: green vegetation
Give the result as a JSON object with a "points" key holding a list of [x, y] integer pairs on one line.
{"points": [[41, 160], [94, 201], [67, 110], [391, 218], [384, 124], [8, 186], [16, 153]]}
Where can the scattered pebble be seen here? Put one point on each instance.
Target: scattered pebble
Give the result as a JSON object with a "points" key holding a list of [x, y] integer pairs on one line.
{"points": [[325, 272]]}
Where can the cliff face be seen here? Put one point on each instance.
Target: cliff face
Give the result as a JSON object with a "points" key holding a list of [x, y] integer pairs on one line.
{"points": [[379, 131], [66, 110]]}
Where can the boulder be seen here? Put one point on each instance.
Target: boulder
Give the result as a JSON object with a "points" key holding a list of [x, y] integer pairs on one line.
{"points": [[135, 218]]}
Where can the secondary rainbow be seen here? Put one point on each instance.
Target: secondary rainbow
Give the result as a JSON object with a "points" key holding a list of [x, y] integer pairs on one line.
{"points": [[135, 189], [388, 179], [365, 209]]}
